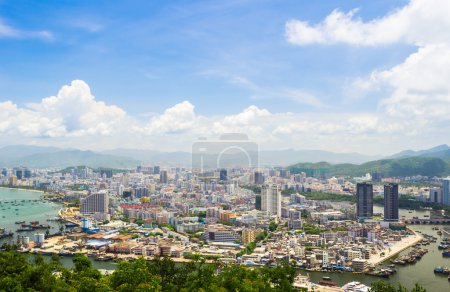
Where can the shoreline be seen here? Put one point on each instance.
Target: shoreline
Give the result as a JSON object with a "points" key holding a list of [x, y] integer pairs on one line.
{"points": [[396, 248], [21, 189]]}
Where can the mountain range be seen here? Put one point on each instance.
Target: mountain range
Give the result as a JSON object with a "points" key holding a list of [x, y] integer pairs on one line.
{"points": [[430, 162], [441, 151], [42, 157]]}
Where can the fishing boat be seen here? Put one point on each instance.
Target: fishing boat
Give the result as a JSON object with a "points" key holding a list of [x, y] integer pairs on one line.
{"points": [[40, 226], [382, 274], [327, 283], [4, 234], [65, 253], [24, 229], [443, 246], [439, 270]]}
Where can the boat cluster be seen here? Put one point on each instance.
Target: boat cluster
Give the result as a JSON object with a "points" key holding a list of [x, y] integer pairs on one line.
{"points": [[426, 240], [411, 258], [442, 270], [383, 272], [445, 246], [4, 234], [32, 226]]}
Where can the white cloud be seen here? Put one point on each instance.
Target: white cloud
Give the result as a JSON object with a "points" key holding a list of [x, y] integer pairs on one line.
{"points": [[75, 118], [420, 85], [72, 112], [247, 117], [27, 122], [86, 24], [179, 118], [258, 92], [420, 22], [7, 31], [303, 97], [416, 89], [414, 96]]}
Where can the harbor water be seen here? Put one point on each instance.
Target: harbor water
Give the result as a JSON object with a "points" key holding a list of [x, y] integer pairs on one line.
{"points": [[22, 205]]}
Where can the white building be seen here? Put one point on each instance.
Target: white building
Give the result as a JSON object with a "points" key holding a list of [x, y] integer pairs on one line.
{"points": [[271, 199], [221, 233], [95, 203]]}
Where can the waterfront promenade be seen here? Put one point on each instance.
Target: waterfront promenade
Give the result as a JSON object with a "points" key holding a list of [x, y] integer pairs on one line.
{"points": [[396, 248]]}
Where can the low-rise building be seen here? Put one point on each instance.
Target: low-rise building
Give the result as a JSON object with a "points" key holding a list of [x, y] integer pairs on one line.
{"points": [[359, 265]]}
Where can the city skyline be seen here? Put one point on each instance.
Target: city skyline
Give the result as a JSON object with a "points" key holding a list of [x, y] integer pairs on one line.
{"points": [[158, 76]]}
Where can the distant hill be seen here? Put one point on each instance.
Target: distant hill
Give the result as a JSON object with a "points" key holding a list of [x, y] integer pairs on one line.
{"points": [[149, 157], [266, 157], [42, 157], [427, 166], [12, 152], [290, 156], [347, 163], [441, 151]]}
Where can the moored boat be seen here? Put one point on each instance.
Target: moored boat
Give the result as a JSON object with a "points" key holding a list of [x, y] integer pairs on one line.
{"points": [[23, 229]]}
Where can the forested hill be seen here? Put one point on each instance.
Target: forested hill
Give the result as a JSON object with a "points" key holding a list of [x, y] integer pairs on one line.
{"points": [[427, 166]]}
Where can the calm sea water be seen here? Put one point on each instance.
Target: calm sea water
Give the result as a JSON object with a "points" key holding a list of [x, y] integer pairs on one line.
{"points": [[21, 205]]}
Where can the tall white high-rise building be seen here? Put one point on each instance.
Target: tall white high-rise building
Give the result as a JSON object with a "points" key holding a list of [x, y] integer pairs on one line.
{"points": [[120, 190], [95, 203], [271, 199]]}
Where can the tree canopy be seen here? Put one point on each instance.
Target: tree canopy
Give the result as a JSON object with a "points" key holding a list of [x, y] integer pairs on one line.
{"points": [[19, 272]]}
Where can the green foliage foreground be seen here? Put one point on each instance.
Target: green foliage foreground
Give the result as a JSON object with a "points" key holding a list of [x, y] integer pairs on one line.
{"points": [[20, 273]]}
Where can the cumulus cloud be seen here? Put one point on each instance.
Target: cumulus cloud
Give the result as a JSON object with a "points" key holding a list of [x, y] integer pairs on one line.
{"points": [[27, 122], [75, 118], [416, 89], [247, 117], [420, 85], [418, 23], [72, 112], [413, 96], [179, 118]]}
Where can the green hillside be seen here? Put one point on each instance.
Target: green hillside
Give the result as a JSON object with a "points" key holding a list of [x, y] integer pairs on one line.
{"points": [[427, 166]]}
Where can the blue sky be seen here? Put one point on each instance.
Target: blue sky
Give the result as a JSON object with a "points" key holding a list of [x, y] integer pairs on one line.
{"points": [[157, 53], [222, 57]]}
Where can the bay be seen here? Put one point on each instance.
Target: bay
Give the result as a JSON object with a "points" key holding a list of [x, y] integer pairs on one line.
{"points": [[25, 205]]}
